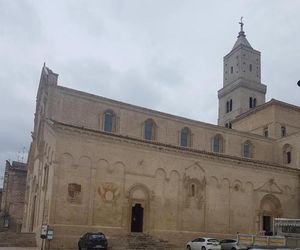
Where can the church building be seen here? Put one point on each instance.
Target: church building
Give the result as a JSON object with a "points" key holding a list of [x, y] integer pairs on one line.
{"points": [[97, 164]]}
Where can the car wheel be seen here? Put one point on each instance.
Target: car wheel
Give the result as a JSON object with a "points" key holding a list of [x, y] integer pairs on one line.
{"points": [[203, 248], [188, 248]]}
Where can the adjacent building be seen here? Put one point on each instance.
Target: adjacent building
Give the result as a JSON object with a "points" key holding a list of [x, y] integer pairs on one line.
{"points": [[13, 195], [0, 198], [100, 164]]}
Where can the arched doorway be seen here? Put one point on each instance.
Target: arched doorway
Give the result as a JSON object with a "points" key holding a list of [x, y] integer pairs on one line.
{"points": [[270, 208], [137, 218], [138, 213]]}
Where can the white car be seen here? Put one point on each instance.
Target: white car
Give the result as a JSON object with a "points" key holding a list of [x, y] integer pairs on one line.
{"points": [[203, 244], [231, 244]]}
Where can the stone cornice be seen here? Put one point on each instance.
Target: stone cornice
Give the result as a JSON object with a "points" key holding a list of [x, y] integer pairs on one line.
{"points": [[242, 83], [243, 47], [161, 147]]}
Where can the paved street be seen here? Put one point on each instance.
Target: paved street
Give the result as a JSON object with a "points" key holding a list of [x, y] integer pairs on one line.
{"points": [[18, 248]]}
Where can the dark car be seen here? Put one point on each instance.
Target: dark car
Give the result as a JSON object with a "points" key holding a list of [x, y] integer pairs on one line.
{"points": [[91, 241]]}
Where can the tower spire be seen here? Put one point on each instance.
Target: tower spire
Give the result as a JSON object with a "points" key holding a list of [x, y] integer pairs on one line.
{"points": [[241, 33]]}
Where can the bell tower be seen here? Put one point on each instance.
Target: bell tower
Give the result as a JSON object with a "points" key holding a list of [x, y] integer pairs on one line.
{"points": [[242, 88]]}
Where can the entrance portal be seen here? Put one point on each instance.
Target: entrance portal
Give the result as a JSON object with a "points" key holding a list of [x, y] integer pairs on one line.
{"points": [[267, 224], [137, 214]]}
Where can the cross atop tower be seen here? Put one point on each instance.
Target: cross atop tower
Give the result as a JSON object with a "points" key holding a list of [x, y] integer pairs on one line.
{"points": [[241, 33], [241, 23]]}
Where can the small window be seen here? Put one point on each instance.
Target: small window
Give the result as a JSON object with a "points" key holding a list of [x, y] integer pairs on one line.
{"points": [[149, 130], [185, 137], [231, 70], [252, 102], [250, 67], [228, 125], [217, 144], [289, 157], [109, 121], [287, 154], [283, 131], [266, 132], [247, 150], [229, 106], [193, 190]]}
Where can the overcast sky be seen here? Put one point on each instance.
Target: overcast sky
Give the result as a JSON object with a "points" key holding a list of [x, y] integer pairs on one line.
{"points": [[164, 55]]}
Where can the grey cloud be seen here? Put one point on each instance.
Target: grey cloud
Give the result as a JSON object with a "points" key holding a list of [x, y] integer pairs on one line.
{"points": [[19, 20], [164, 55]]}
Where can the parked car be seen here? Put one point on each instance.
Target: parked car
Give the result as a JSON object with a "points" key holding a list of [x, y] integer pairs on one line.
{"points": [[203, 244], [231, 244], [92, 241]]}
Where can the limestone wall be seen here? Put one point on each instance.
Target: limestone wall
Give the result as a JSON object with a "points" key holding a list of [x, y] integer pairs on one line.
{"points": [[81, 109], [100, 177], [273, 116]]}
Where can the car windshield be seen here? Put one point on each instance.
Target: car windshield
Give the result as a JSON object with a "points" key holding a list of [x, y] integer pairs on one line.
{"points": [[96, 236], [212, 240], [228, 241]]}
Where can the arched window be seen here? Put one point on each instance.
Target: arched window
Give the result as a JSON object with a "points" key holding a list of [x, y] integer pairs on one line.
{"points": [[185, 137], [247, 149], [109, 121], [149, 130], [287, 154], [283, 131], [218, 144], [266, 132], [228, 125], [252, 102], [193, 190], [229, 106]]}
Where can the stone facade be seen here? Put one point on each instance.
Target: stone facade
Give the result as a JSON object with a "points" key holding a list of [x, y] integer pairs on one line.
{"points": [[97, 164], [12, 203]]}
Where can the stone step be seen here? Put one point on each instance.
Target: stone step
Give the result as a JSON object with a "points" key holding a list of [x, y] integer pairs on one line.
{"points": [[138, 241], [12, 239]]}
